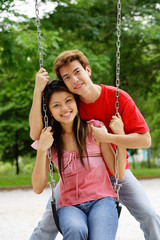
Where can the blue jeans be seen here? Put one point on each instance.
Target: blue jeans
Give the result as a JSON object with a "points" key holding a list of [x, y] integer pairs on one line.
{"points": [[132, 195], [96, 219]]}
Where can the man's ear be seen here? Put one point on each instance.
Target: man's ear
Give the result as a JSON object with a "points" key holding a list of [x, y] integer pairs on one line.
{"points": [[88, 69]]}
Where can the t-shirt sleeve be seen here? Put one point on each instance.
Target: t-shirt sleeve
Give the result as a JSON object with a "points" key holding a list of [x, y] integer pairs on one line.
{"points": [[53, 152], [35, 144], [132, 118], [95, 123]]}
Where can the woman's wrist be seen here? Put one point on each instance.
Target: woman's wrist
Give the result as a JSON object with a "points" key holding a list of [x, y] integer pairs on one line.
{"points": [[42, 149]]}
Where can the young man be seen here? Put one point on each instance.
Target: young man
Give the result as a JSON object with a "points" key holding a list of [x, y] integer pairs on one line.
{"points": [[98, 102]]}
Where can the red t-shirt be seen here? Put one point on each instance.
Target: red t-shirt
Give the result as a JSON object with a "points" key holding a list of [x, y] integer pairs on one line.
{"points": [[104, 108]]}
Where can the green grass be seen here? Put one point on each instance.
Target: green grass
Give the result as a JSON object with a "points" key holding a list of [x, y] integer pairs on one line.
{"points": [[146, 172], [15, 180], [21, 179]]}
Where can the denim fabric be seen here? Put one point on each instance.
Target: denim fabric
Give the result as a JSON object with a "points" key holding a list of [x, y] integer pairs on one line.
{"points": [[96, 219]]}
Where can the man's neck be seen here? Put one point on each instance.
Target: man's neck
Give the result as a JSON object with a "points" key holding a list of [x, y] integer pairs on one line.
{"points": [[92, 94]]}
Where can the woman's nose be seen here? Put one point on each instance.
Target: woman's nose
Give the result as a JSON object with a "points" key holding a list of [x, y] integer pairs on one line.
{"points": [[64, 107]]}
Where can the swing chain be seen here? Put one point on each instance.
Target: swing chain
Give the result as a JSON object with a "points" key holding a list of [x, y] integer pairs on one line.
{"points": [[40, 49], [118, 54], [51, 168], [116, 184]]}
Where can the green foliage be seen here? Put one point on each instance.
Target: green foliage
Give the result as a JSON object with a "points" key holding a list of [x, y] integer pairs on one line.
{"points": [[6, 5], [152, 104], [89, 26], [7, 169], [19, 63]]}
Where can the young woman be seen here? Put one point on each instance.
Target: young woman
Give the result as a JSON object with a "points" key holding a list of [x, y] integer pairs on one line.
{"points": [[87, 200]]}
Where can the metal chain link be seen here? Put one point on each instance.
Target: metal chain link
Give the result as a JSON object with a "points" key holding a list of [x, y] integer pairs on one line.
{"points": [[40, 49], [118, 43], [51, 167]]}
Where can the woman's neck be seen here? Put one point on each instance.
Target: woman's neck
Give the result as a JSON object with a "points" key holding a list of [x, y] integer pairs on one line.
{"points": [[69, 141], [67, 129]]}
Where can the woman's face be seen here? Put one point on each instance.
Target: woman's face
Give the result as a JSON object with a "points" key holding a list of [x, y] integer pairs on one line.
{"points": [[63, 107]]}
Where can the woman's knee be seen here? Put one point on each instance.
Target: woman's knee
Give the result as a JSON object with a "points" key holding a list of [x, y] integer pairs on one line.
{"points": [[80, 229], [76, 230]]}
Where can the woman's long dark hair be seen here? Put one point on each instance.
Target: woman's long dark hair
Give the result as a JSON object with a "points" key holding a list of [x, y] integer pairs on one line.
{"points": [[79, 125]]}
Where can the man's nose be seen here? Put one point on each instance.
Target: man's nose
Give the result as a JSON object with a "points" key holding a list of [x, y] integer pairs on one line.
{"points": [[75, 78]]}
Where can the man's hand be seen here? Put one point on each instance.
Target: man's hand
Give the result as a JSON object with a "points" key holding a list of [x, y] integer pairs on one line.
{"points": [[116, 125], [42, 79], [46, 139]]}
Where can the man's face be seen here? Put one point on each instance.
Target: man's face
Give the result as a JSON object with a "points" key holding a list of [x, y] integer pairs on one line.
{"points": [[75, 77]]}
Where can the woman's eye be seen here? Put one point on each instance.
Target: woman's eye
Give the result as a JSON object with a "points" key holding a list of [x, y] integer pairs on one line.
{"points": [[56, 105], [68, 100]]}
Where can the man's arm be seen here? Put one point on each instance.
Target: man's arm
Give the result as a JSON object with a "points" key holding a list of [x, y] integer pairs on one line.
{"points": [[132, 140], [35, 116]]}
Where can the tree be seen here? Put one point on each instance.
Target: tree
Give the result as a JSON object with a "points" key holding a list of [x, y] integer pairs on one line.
{"points": [[18, 65]]}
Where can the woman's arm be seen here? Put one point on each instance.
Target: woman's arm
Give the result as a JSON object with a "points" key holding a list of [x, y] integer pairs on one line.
{"points": [[40, 171], [107, 151], [109, 158]]}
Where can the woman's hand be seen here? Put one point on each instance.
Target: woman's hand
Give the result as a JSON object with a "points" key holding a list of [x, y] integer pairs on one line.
{"points": [[46, 139], [99, 133], [42, 79], [116, 125]]}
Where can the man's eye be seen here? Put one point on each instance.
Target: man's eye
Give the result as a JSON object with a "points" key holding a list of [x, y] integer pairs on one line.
{"points": [[66, 78]]}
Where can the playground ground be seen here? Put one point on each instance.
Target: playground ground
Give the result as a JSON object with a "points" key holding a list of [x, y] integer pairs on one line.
{"points": [[21, 209]]}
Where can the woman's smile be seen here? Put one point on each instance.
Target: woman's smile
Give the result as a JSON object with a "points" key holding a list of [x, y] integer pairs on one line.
{"points": [[63, 107]]}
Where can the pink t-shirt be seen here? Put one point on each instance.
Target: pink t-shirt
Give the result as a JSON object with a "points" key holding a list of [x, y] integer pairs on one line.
{"points": [[82, 184]]}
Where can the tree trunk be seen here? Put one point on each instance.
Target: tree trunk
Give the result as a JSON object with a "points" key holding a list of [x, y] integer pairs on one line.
{"points": [[149, 158], [133, 162], [17, 153]]}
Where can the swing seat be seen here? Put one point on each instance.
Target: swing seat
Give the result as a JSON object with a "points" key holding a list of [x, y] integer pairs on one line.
{"points": [[119, 208], [55, 216]]}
